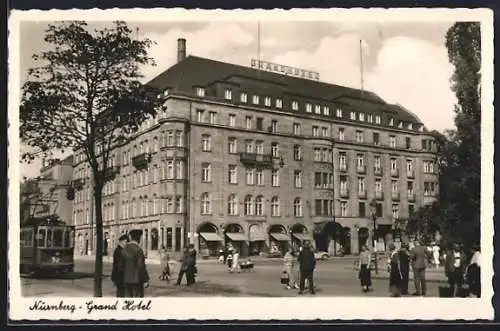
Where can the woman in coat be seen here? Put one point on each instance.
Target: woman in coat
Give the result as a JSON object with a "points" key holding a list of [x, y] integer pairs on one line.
{"points": [[288, 264], [364, 269], [394, 272]]}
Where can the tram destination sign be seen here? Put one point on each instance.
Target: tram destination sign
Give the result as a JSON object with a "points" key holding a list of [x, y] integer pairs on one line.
{"points": [[285, 70]]}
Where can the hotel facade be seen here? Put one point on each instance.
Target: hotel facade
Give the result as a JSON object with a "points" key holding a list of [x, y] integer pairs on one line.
{"points": [[261, 160]]}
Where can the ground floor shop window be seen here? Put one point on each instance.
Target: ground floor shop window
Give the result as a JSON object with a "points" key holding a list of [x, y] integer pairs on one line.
{"points": [[178, 239], [257, 247]]}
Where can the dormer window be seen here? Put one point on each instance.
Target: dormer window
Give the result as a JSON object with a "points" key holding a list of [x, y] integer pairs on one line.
{"points": [[391, 121], [279, 103], [317, 109], [295, 105], [338, 113], [243, 97], [326, 110], [421, 128], [308, 108], [267, 101], [377, 119], [400, 125], [410, 126], [353, 115], [362, 117], [200, 91], [255, 100], [228, 94], [369, 118]]}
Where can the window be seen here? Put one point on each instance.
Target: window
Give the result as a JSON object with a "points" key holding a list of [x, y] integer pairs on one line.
{"points": [[377, 163], [267, 101], [394, 187], [395, 211], [392, 141], [279, 103], [380, 210], [317, 154], [297, 153], [326, 110], [394, 165], [362, 117], [377, 119], [275, 206], [275, 150], [317, 109], [274, 126], [243, 97], [341, 134], [298, 178], [200, 115], [353, 115], [232, 145], [170, 169], [409, 168], [410, 126], [259, 125], [411, 209], [179, 138], [205, 172], [170, 138], [206, 204], [362, 209], [249, 175], [155, 146], [259, 206], [400, 124], [338, 113], [369, 118], [410, 188], [297, 207], [408, 142], [170, 204], [324, 132], [259, 144], [206, 143], [212, 118], [343, 161], [359, 136], [315, 131], [232, 205], [295, 105], [233, 174], [200, 91], [179, 167], [391, 121], [296, 129], [376, 138], [361, 185], [275, 177], [255, 100], [259, 174], [343, 208], [378, 185], [232, 120], [249, 124], [228, 94], [308, 108], [248, 205], [249, 146], [360, 161], [178, 205]]}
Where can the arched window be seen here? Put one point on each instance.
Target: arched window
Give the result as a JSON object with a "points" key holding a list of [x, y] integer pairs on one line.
{"points": [[248, 205], [259, 206], [232, 205], [297, 207], [206, 204], [275, 206]]}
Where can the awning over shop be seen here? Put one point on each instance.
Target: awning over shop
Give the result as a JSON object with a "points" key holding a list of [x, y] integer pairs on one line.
{"points": [[302, 236], [257, 236], [236, 236], [210, 236], [280, 236]]}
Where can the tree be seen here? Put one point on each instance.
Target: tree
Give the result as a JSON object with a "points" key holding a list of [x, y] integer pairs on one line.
{"points": [[29, 197], [86, 96]]}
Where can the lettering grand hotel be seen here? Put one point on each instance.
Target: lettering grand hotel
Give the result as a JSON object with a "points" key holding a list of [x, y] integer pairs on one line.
{"points": [[262, 160]]}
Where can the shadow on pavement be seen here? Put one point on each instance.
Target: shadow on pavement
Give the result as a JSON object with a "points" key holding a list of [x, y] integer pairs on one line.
{"points": [[70, 276]]}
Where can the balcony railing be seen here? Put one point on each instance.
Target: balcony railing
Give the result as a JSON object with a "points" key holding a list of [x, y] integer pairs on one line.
{"points": [[378, 171], [252, 159], [78, 183], [343, 167], [411, 196], [394, 172], [362, 194], [379, 195], [141, 161], [344, 193], [361, 169], [395, 196], [410, 173]]}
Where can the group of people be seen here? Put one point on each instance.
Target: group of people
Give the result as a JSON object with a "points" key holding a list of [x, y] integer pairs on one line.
{"points": [[307, 264], [230, 256], [401, 260]]}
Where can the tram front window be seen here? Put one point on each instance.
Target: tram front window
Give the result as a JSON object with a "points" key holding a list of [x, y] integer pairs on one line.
{"points": [[40, 237], [58, 238]]}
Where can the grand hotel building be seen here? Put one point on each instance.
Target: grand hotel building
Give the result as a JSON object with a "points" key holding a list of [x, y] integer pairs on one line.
{"points": [[261, 160]]}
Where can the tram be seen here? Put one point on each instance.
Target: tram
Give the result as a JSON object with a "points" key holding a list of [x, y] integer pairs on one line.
{"points": [[46, 245]]}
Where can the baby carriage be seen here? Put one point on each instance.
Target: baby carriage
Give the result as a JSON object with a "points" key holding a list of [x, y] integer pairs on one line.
{"points": [[247, 266]]}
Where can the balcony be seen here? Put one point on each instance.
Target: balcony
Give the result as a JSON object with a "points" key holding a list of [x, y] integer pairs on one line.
{"points": [[344, 193], [257, 160], [410, 173], [362, 194], [378, 171], [394, 172], [395, 196], [379, 195], [411, 196], [111, 173], [343, 167], [78, 183], [141, 161], [361, 169]]}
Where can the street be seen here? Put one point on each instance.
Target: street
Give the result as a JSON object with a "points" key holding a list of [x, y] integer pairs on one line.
{"points": [[334, 277]]}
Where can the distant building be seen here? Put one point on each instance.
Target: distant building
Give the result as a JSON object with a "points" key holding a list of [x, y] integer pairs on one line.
{"points": [[261, 160]]}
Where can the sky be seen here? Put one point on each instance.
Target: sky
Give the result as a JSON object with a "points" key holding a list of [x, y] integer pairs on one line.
{"points": [[403, 62]]}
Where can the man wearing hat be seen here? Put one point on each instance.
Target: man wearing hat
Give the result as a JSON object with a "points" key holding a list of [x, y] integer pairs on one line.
{"points": [[404, 267], [135, 277], [117, 271]]}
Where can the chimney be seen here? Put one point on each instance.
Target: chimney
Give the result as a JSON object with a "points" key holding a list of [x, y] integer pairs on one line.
{"points": [[181, 49]]}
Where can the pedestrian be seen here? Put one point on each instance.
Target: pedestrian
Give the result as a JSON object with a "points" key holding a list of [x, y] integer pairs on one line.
{"points": [[288, 266], [135, 277], [307, 264], [183, 261], [394, 272], [418, 257], [164, 264], [229, 260], [235, 266], [436, 255], [404, 267], [364, 266], [191, 265], [118, 267], [474, 272], [454, 269]]}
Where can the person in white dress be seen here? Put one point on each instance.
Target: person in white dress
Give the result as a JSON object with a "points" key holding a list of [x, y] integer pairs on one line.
{"points": [[435, 255], [236, 261]]}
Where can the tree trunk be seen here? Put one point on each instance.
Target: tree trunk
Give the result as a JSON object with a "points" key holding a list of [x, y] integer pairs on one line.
{"points": [[99, 241]]}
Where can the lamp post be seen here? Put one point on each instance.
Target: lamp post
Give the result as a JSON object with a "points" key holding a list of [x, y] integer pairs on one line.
{"points": [[373, 209]]}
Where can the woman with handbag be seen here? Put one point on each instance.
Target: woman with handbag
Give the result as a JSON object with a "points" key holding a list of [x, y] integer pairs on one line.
{"points": [[364, 266]]}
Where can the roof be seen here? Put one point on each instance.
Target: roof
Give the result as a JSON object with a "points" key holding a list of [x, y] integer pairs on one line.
{"points": [[195, 71]]}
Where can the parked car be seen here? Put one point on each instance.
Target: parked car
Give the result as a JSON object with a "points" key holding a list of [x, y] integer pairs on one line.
{"points": [[321, 255]]}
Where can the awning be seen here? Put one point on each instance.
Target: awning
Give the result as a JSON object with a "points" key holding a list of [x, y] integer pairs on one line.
{"points": [[236, 236], [210, 236], [280, 236], [257, 236], [302, 236]]}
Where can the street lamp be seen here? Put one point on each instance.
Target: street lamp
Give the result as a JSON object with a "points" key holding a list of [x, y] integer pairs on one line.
{"points": [[373, 209]]}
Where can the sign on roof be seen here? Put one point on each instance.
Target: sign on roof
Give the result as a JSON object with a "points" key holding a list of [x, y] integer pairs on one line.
{"points": [[285, 70]]}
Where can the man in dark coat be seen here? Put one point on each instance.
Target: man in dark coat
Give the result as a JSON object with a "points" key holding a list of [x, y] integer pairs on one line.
{"points": [[307, 264], [419, 262], [404, 267], [182, 270], [118, 270], [135, 277], [190, 265]]}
